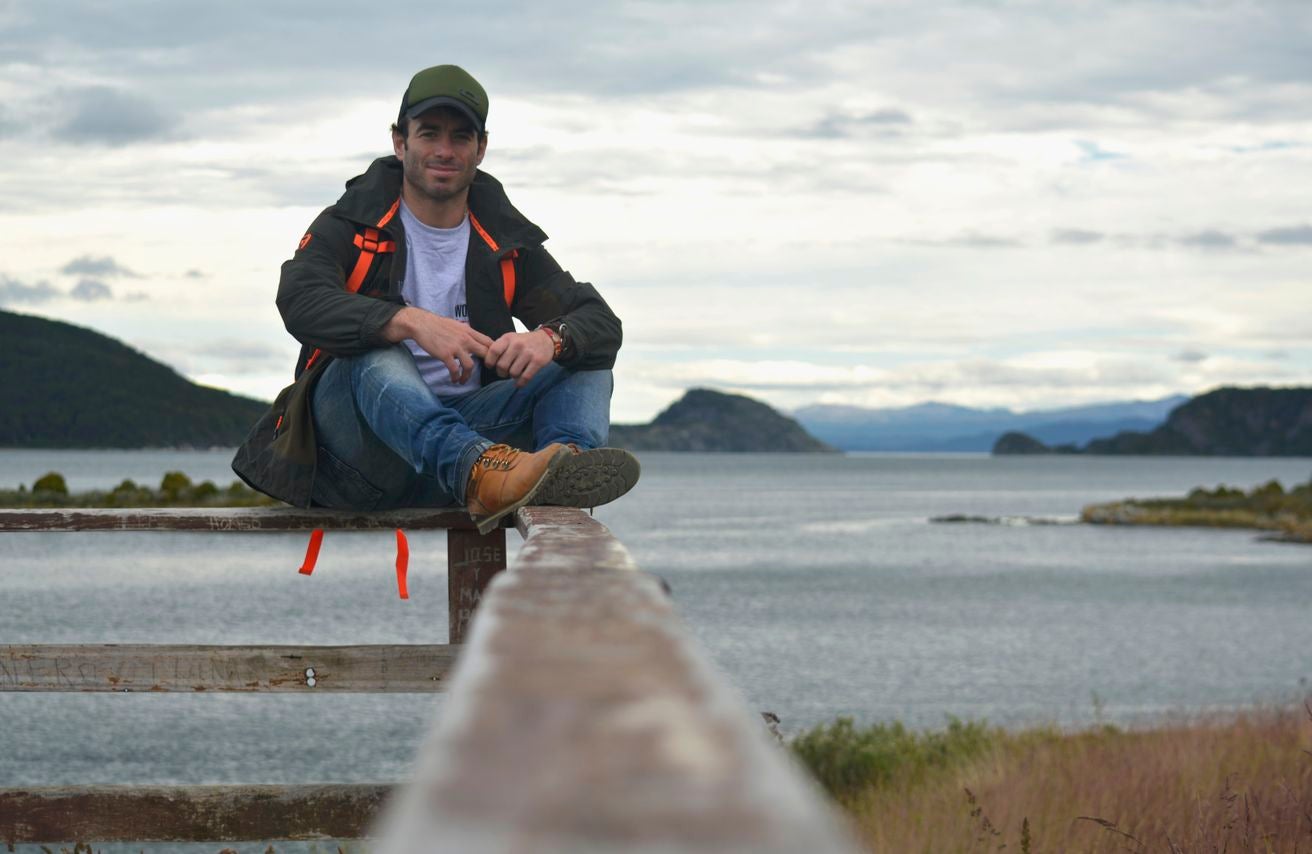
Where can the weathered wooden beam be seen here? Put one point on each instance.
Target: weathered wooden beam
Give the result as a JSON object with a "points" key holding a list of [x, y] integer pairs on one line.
{"points": [[284, 669], [471, 561], [187, 814], [583, 718], [210, 519]]}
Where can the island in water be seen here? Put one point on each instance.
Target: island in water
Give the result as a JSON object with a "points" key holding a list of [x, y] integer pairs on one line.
{"points": [[706, 420], [1286, 514], [175, 490]]}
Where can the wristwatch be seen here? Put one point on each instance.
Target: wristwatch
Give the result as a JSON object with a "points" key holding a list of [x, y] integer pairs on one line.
{"points": [[561, 337], [566, 340], [557, 343]]}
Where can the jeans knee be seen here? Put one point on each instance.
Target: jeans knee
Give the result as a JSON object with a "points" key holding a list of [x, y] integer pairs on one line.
{"points": [[577, 410], [598, 384]]}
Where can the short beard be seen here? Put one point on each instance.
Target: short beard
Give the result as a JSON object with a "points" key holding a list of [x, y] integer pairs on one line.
{"points": [[437, 196], [415, 186]]}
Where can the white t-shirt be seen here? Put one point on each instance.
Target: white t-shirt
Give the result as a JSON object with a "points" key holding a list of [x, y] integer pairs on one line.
{"points": [[435, 281]]}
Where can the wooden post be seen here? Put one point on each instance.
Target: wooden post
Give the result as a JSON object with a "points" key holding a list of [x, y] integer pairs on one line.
{"points": [[472, 559]]}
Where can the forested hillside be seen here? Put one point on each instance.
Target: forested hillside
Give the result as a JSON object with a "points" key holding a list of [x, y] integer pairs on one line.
{"points": [[62, 386]]}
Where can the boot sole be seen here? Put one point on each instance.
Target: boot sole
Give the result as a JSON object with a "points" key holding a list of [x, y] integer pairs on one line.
{"points": [[590, 478], [488, 523]]}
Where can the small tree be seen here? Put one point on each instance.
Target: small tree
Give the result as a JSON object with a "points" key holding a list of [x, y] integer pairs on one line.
{"points": [[128, 494], [205, 491], [1271, 487], [174, 484], [51, 482]]}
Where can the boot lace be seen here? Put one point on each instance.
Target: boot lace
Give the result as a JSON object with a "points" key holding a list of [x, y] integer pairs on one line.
{"points": [[496, 457]]}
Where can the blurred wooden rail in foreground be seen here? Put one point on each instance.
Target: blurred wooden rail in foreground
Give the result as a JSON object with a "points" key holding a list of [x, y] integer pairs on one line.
{"points": [[581, 715]]}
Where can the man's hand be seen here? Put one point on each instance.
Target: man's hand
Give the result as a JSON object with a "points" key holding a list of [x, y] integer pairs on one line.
{"points": [[451, 342], [520, 354]]}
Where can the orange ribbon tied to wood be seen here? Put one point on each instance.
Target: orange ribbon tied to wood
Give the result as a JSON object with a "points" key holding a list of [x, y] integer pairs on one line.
{"points": [[312, 552], [402, 559], [402, 563]]}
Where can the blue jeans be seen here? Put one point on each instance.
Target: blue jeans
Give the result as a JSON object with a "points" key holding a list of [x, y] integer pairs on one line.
{"points": [[385, 440]]}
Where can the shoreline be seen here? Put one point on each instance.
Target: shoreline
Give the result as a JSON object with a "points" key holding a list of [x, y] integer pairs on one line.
{"points": [[1285, 516], [1278, 529]]}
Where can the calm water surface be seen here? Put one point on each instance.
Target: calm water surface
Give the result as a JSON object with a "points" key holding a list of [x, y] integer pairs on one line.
{"points": [[816, 583]]}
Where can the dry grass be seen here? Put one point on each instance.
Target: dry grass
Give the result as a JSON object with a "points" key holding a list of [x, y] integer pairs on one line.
{"points": [[1267, 508], [1236, 785]]}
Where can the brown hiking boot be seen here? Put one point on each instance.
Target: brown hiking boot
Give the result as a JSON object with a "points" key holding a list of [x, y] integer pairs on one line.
{"points": [[590, 478], [504, 479]]}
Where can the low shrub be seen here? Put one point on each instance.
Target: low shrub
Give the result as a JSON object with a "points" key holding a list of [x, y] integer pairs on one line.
{"points": [[51, 483], [847, 759], [175, 490]]}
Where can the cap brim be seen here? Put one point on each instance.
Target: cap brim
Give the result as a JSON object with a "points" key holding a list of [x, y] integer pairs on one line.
{"points": [[444, 101]]}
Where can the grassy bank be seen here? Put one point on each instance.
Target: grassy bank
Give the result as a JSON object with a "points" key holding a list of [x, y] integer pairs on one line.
{"points": [[1288, 514], [1236, 784], [175, 490]]}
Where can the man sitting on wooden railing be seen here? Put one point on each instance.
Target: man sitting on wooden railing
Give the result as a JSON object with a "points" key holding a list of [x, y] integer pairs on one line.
{"points": [[413, 389]]}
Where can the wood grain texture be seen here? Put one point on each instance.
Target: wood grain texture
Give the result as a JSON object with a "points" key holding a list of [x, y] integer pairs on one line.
{"points": [[215, 519], [583, 718], [284, 669], [187, 814]]}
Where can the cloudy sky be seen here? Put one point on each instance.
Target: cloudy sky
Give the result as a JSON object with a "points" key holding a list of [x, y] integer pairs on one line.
{"points": [[1020, 204]]}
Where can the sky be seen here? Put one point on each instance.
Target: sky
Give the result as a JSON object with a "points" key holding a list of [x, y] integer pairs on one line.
{"points": [[1017, 204]]}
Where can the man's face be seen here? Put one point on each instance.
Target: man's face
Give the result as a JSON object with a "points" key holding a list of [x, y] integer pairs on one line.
{"points": [[440, 154]]}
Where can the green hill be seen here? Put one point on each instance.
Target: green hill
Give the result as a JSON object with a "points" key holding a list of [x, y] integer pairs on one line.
{"points": [[69, 387], [1233, 422], [1238, 422], [705, 420]]}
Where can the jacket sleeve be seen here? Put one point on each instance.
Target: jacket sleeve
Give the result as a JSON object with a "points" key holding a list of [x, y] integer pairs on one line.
{"points": [[551, 294], [315, 306]]}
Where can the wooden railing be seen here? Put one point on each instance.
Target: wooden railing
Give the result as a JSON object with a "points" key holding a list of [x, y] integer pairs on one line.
{"points": [[581, 716]]}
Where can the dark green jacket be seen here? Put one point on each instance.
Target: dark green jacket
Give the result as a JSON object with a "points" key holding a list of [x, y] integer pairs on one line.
{"points": [[278, 457]]}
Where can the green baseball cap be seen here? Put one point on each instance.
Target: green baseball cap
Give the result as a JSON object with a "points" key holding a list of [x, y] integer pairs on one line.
{"points": [[445, 86]]}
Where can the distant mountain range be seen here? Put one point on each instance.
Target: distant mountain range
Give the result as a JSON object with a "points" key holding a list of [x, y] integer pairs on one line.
{"points": [[68, 387], [1232, 422], [706, 420], [944, 427]]}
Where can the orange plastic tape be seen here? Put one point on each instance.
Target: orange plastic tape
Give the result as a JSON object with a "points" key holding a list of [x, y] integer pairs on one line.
{"points": [[312, 553], [402, 563]]}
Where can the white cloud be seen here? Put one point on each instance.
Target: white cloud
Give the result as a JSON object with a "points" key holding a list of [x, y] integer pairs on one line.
{"points": [[1016, 204]]}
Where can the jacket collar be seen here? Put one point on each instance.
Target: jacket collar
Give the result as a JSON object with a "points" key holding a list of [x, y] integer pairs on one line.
{"points": [[369, 196]]}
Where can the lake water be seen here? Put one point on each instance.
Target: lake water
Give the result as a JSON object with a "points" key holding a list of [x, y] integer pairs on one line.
{"points": [[816, 583]]}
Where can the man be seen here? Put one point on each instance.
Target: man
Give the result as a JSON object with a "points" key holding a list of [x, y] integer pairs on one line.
{"points": [[413, 387]]}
